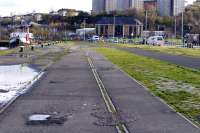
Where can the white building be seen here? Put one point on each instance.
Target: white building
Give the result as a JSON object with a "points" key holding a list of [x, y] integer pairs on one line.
{"points": [[38, 16], [170, 7], [111, 5], [164, 7], [137, 4], [98, 6], [177, 7], [115, 5], [123, 4]]}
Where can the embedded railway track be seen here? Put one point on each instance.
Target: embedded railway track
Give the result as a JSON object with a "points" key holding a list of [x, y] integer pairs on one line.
{"points": [[120, 126]]}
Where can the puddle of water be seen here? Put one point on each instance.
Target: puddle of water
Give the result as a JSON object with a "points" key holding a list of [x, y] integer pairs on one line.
{"points": [[13, 81]]}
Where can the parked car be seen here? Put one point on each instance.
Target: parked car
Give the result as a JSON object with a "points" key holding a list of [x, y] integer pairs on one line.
{"points": [[156, 40], [95, 38]]}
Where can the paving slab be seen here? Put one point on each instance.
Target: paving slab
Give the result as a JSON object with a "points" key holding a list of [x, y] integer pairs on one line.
{"points": [[180, 60], [69, 89], [142, 111]]}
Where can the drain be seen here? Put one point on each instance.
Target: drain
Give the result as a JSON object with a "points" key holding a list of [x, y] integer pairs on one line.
{"points": [[46, 119]]}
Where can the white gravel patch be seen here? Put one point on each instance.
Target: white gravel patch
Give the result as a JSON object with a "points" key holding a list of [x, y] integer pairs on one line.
{"points": [[171, 85], [13, 80]]}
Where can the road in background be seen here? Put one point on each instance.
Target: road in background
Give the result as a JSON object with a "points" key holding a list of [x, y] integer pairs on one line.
{"points": [[185, 61]]}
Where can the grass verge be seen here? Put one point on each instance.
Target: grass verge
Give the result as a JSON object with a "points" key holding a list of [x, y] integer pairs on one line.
{"points": [[178, 86], [5, 52]]}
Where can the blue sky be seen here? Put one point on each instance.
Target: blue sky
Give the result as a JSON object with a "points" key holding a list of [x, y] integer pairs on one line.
{"points": [[26, 6]]}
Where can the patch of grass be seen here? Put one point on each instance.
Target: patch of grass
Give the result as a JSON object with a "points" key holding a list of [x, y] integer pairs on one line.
{"points": [[148, 71], [5, 52], [174, 40]]}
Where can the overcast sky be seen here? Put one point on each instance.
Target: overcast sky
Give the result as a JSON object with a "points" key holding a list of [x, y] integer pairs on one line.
{"points": [[44, 6]]}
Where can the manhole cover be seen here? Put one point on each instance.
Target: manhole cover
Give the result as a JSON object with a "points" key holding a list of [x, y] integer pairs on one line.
{"points": [[45, 119]]}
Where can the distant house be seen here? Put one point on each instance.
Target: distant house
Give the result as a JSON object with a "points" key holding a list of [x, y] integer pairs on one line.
{"points": [[53, 13], [38, 16], [28, 17], [17, 17], [68, 12], [120, 26]]}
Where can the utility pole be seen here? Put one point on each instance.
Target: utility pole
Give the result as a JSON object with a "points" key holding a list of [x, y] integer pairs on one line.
{"points": [[84, 28], [0, 31], [146, 20], [175, 27], [182, 31], [114, 26], [146, 23]]}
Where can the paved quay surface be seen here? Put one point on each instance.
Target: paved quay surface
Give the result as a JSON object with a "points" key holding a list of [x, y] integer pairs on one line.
{"points": [[142, 112], [185, 61], [68, 88]]}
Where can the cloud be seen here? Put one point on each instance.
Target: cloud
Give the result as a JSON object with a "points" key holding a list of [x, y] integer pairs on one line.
{"points": [[25, 6]]}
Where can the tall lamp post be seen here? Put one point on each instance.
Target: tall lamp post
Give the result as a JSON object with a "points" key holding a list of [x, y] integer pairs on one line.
{"points": [[182, 28], [146, 19], [146, 26], [114, 23], [175, 27], [182, 18], [84, 21]]}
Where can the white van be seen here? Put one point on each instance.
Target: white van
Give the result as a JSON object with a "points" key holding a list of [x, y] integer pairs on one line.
{"points": [[156, 40]]}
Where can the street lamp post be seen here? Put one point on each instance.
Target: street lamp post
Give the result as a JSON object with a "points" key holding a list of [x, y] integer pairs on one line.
{"points": [[114, 23], [84, 22], [146, 24], [146, 19], [84, 29], [182, 31], [175, 27]]}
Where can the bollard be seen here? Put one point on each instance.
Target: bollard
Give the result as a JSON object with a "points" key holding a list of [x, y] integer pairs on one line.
{"points": [[32, 48], [21, 49]]}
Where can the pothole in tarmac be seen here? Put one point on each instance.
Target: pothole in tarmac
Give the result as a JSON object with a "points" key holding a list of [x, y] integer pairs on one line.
{"points": [[109, 119], [56, 82], [46, 119]]}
